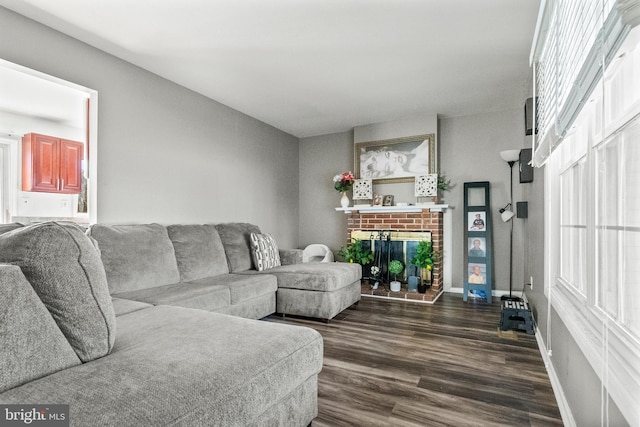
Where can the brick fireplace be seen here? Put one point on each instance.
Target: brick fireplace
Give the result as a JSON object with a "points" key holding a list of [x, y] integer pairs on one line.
{"points": [[413, 218]]}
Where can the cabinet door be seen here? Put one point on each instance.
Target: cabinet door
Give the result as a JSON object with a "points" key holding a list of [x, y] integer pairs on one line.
{"points": [[41, 163], [71, 155]]}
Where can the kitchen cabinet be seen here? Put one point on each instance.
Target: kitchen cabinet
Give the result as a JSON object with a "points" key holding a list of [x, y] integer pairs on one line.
{"points": [[51, 164]]}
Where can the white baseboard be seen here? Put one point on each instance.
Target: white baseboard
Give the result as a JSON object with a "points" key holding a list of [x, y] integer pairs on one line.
{"points": [[563, 405]]}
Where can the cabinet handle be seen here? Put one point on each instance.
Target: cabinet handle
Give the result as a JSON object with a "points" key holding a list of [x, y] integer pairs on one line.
{"points": [[58, 184], [62, 186]]}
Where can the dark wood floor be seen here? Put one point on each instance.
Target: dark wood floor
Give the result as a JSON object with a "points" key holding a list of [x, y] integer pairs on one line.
{"points": [[393, 363]]}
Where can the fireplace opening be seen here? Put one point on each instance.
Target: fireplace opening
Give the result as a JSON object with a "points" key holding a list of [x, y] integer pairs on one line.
{"points": [[388, 245]]}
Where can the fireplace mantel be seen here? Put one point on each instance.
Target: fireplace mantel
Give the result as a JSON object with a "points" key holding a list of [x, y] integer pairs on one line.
{"points": [[393, 209]]}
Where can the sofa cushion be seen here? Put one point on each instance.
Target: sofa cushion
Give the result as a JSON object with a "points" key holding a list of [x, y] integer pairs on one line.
{"points": [[198, 250], [180, 367], [237, 245], [4, 228], [201, 296], [31, 344], [137, 256], [125, 306], [242, 288], [264, 251], [65, 270], [316, 276]]}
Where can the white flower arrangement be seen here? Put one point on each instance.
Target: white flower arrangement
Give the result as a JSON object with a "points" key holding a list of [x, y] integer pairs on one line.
{"points": [[375, 270]]}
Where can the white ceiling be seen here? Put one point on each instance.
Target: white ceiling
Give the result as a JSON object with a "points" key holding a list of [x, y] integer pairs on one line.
{"points": [[312, 67]]}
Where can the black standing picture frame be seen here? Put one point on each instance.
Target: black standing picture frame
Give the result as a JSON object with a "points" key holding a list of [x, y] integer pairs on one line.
{"points": [[478, 239]]}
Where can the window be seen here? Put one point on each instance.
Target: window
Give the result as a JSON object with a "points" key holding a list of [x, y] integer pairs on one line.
{"points": [[618, 228], [593, 198], [573, 226]]}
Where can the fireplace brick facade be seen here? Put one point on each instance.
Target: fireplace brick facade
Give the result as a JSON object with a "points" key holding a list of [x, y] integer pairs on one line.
{"points": [[427, 220]]}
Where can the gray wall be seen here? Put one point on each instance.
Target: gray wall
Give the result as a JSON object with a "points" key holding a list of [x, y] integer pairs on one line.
{"points": [[321, 158], [469, 150], [167, 154]]}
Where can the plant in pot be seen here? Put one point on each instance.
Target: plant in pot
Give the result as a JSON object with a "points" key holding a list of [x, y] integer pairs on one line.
{"points": [[443, 185], [425, 258], [355, 252], [395, 268], [375, 271]]}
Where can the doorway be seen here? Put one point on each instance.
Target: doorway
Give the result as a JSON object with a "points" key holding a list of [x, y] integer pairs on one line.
{"points": [[34, 102]]}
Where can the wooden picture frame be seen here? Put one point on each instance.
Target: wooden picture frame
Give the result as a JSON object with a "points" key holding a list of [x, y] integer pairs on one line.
{"points": [[396, 160]]}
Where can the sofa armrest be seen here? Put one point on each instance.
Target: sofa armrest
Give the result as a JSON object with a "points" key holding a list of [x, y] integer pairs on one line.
{"points": [[290, 256]]}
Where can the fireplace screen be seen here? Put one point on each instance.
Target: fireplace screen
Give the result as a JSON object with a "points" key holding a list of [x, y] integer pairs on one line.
{"points": [[391, 245]]}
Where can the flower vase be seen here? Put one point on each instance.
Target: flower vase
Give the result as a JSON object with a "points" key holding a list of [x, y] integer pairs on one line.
{"points": [[344, 200]]}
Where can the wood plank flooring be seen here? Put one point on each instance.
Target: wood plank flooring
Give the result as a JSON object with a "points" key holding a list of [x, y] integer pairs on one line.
{"points": [[394, 363]]}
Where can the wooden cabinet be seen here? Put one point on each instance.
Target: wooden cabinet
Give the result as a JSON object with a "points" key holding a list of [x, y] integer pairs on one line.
{"points": [[51, 165]]}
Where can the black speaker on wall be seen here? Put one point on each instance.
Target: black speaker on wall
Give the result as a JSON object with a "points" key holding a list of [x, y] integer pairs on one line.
{"points": [[528, 117], [526, 170], [522, 209]]}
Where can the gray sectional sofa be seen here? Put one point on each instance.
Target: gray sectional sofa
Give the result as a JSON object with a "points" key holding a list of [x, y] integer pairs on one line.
{"points": [[130, 325], [211, 267]]}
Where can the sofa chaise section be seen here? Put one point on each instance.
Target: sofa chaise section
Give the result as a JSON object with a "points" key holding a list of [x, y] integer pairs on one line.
{"points": [[316, 290], [182, 367], [319, 290]]}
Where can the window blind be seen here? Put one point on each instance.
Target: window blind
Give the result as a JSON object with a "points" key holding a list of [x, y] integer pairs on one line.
{"points": [[575, 38]]}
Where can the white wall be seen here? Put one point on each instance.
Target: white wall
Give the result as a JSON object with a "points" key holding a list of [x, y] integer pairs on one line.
{"points": [[167, 154]]}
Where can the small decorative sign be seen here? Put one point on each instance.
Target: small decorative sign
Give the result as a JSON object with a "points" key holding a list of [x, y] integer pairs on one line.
{"points": [[362, 189], [426, 185]]}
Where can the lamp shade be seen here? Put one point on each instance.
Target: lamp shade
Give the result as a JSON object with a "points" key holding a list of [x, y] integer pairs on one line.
{"points": [[507, 215], [510, 155]]}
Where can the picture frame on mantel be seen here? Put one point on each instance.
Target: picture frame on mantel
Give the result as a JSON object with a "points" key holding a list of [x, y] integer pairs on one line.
{"points": [[396, 160]]}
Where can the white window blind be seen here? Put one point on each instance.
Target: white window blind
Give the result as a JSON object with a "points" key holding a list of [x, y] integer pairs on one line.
{"points": [[574, 39]]}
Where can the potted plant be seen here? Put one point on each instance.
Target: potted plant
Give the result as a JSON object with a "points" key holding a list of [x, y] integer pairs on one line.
{"points": [[355, 252], [425, 258], [375, 271], [443, 185], [395, 268]]}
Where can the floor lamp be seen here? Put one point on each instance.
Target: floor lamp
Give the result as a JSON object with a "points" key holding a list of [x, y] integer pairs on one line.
{"points": [[506, 213]]}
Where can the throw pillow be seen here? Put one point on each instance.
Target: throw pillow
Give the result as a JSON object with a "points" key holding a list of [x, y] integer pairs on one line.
{"points": [[64, 268], [32, 345], [264, 251]]}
